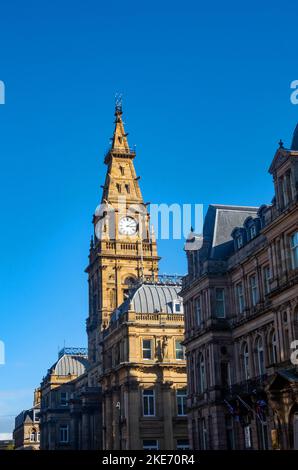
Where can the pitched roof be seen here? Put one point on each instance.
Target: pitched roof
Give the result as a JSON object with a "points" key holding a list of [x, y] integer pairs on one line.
{"points": [[219, 223]]}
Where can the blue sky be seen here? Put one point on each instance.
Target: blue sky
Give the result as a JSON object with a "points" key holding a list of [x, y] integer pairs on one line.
{"points": [[206, 98]]}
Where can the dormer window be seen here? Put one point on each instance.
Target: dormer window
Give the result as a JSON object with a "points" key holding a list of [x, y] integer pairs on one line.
{"points": [[177, 307], [252, 232], [36, 416], [239, 242]]}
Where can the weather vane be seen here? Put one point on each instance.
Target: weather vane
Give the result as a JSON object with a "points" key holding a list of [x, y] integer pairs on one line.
{"points": [[118, 102]]}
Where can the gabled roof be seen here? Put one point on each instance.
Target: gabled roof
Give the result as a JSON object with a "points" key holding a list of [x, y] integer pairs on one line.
{"points": [[282, 154]]}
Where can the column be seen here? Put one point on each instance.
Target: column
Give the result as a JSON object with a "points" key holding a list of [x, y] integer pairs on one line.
{"points": [[134, 412], [167, 392]]}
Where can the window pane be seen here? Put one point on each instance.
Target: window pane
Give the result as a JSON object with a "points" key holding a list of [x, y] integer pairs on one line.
{"points": [[182, 444], [240, 296], [181, 402], [148, 403], [219, 303], [179, 350], [150, 444], [198, 310], [147, 354], [294, 249]]}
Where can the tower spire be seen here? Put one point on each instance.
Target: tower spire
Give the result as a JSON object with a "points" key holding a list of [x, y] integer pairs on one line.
{"points": [[119, 139]]}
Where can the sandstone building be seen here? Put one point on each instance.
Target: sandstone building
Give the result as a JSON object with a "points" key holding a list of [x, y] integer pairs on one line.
{"points": [[70, 412], [130, 391], [144, 371], [241, 312], [26, 434]]}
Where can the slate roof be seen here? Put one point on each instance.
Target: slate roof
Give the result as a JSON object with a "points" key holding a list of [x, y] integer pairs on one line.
{"points": [[219, 223], [150, 298]]}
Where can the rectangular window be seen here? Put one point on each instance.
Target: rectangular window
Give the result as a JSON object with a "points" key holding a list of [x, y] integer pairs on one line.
{"points": [[252, 232], [266, 278], [36, 417], [148, 403], [240, 297], [219, 303], [230, 433], [150, 444], [63, 434], [180, 352], [177, 307], [262, 431], [198, 311], [204, 436], [239, 242], [247, 437], [147, 349], [225, 372], [181, 402], [182, 444], [254, 290], [294, 250], [63, 398], [285, 190]]}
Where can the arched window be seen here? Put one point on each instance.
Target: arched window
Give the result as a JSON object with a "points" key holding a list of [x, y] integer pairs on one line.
{"points": [[202, 374], [260, 362], [129, 283], [272, 347], [33, 435], [245, 361]]}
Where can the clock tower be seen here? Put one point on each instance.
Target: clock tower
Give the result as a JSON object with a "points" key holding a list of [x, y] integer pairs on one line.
{"points": [[123, 248]]}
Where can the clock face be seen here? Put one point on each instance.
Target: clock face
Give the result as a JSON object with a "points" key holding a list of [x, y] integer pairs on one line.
{"points": [[127, 226]]}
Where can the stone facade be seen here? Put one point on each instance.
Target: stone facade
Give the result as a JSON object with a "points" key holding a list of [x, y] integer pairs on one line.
{"points": [[241, 310], [26, 434], [70, 413], [117, 259], [144, 372], [101, 405]]}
